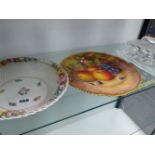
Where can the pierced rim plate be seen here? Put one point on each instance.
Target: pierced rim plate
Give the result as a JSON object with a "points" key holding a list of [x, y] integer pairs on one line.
{"points": [[29, 85]]}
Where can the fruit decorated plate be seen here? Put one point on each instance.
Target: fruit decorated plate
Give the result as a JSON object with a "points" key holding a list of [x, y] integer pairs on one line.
{"points": [[101, 73], [29, 85]]}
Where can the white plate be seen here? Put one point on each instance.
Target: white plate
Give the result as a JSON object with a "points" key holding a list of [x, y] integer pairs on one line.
{"points": [[29, 85]]}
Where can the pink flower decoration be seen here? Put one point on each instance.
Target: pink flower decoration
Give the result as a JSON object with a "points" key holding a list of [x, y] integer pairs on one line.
{"points": [[8, 114], [62, 77]]}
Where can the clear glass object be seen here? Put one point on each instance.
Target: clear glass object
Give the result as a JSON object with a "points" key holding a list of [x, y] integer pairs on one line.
{"points": [[143, 50], [141, 53]]}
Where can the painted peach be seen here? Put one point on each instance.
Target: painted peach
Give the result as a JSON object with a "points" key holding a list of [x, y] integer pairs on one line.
{"points": [[102, 75], [85, 75]]}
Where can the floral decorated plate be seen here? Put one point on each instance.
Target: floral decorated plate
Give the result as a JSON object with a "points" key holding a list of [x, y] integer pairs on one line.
{"points": [[29, 85], [101, 73]]}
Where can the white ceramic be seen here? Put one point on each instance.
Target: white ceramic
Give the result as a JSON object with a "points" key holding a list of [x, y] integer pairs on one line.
{"points": [[29, 85]]}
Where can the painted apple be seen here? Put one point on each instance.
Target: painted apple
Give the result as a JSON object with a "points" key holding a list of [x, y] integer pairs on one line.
{"points": [[85, 75], [102, 75]]}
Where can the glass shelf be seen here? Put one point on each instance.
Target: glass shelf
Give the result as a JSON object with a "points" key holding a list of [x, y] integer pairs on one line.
{"points": [[74, 102]]}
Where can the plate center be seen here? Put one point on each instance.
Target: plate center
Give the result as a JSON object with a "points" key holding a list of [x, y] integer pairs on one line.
{"points": [[22, 93]]}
